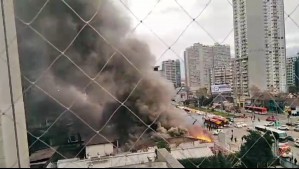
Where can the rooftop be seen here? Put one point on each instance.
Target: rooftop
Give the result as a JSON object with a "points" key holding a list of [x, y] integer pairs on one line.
{"points": [[42, 154], [132, 160]]}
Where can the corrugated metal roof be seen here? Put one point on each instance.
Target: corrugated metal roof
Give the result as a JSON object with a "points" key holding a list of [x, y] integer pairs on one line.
{"points": [[42, 154], [197, 152]]}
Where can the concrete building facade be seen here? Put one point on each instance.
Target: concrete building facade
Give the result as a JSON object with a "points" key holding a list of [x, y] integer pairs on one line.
{"points": [[222, 75], [171, 70], [200, 60], [291, 72], [259, 33]]}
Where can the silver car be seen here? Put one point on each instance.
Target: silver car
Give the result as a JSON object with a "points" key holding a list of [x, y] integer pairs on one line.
{"points": [[296, 128], [283, 127]]}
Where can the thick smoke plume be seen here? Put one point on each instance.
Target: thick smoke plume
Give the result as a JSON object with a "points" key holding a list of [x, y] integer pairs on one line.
{"points": [[126, 74]]}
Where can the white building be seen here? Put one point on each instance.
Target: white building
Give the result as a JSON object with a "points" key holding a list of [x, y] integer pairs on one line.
{"points": [[222, 75], [259, 45], [171, 70], [200, 60]]}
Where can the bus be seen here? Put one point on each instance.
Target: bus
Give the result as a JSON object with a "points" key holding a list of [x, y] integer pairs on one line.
{"points": [[280, 136], [284, 149], [257, 110]]}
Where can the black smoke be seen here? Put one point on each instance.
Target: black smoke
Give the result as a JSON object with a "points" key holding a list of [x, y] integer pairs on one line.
{"points": [[73, 82]]}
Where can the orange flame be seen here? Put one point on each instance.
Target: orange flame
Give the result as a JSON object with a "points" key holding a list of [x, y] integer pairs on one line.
{"points": [[200, 134], [204, 138]]}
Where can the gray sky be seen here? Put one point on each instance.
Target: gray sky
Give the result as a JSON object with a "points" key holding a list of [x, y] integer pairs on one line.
{"points": [[168, 21]]}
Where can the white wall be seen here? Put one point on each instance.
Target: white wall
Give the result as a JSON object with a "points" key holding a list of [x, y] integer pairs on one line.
{"points": [[13, 135], [101, 149], [256, 44]]}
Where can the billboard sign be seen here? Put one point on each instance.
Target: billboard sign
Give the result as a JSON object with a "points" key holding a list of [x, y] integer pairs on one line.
{"points": [[224, 88]]}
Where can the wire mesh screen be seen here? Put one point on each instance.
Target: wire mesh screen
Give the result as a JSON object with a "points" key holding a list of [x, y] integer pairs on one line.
{"points": [[91, 94]]}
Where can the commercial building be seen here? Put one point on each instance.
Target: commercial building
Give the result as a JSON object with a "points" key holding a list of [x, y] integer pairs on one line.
{"points": [[260, 49], [201, 60], [171, 70]]}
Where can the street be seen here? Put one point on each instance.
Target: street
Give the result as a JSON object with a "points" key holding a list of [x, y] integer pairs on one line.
{"points": [[238, 133]]}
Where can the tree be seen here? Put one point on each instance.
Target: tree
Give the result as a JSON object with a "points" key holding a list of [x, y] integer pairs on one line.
{"points": [[217, 161], [257, 151], [163, 144], [293, 89], [254, 90], [202, 92]]}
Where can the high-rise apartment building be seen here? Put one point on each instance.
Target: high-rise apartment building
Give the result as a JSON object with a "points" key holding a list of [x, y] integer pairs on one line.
{"points": [[201, 60], [259, 32], [171, 70], [290, 67], [223, 75]]}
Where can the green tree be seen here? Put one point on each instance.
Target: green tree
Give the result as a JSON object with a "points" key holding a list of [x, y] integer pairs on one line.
{"points": [[217, 161], [293, 89], [163, 144], [257, 151], [202, 92]]}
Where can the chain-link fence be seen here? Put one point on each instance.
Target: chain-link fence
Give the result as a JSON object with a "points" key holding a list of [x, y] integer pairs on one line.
{"points": [[84, 70]]}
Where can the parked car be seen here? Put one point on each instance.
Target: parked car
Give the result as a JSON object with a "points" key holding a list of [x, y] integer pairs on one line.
{"points": [[272, 118], [284, 127], [270, 124], [296, 128], [230, 119], [291, 124], [238, 125], [216, 132], [297, 123], [243, 124], [297, 142]]}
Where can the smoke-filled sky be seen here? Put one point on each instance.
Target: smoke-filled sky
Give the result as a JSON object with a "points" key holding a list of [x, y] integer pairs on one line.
{"points": [[91, 86], [168, 20]]}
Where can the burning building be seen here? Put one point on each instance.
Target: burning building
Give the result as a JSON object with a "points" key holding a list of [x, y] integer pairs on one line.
{"points": [[82, 67]]}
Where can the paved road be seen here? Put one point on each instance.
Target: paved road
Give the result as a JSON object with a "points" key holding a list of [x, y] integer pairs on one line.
{"points": [[239, 132]]}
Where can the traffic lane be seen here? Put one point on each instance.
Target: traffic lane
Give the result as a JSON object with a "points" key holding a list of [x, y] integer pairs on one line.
{"points": [[238, 133], [281, 117], [292, 133]]}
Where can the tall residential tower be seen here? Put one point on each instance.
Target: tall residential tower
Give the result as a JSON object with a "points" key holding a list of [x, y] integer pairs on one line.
{"points": [[171, 70], [201, 60], [260, 48]]}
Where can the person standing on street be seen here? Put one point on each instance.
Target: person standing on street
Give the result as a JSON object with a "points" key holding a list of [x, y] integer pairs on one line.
{"points": [[295, 161]]}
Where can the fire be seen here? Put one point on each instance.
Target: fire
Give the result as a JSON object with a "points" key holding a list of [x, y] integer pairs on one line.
{"points": [[204, 138], [200, 134]]}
